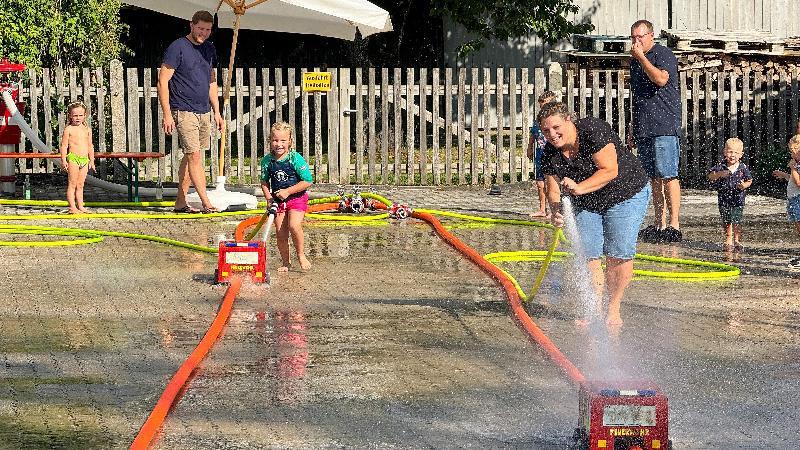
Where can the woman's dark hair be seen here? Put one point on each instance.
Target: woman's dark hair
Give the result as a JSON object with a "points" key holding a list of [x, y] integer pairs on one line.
{"points": [[555, 108]]}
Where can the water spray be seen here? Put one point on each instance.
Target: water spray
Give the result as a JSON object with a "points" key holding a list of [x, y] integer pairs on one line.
{"points": [[613, 414], [587, 294]]}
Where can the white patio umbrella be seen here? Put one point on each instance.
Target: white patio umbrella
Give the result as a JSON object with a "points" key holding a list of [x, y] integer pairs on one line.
{"points": [[331, 18]]}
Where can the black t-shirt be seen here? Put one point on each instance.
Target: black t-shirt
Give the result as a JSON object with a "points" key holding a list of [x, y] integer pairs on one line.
{"points": [[593, 135], [656, 109]]}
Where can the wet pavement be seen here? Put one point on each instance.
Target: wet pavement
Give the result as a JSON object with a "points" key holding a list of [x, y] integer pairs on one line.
{"points": [[391, 340]]}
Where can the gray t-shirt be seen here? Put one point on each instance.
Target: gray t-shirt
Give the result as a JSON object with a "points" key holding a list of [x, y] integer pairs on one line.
{"points": [[656, 109]]}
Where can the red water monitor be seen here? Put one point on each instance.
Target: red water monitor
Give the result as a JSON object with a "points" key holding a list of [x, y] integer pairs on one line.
{"points": [[622, 416], [246, 259]]}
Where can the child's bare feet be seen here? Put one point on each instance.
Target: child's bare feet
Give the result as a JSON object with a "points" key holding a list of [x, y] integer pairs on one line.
{"points": [[283, 269], [539, 213], [84, 210], [304, 263], [74, 211], [582, 323]]}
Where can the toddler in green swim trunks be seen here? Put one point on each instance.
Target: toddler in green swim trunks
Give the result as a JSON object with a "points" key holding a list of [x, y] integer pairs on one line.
{"points": [[77, 155]]}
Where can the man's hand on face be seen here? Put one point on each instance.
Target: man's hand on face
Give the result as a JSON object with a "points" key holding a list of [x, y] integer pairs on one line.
{"points": [[637, 50]]}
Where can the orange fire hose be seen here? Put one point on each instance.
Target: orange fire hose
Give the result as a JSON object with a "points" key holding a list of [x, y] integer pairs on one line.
{"points": [[178, 382], [534, 332]]}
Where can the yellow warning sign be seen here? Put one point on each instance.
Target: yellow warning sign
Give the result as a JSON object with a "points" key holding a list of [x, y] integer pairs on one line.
{"points": [[317, 81]]}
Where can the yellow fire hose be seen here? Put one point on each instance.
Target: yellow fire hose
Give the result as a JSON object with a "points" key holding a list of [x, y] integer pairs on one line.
{"points": [[720, 270]]}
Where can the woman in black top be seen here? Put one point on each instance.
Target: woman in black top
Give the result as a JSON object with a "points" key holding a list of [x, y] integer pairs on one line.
{"points": [[610, 193]]}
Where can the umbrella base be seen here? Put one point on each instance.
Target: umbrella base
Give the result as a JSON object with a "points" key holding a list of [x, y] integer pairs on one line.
{"points": [[224, 200]]}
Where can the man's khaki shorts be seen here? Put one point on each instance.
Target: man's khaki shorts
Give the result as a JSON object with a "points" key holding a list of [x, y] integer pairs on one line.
{"points": [[194, 131]]}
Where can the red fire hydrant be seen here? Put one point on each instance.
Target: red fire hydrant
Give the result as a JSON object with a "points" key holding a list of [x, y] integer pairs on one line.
{"points": [[9, 133]]}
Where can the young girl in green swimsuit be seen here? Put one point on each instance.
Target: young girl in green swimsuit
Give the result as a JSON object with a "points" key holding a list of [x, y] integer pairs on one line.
{"points": [[77, 155]]}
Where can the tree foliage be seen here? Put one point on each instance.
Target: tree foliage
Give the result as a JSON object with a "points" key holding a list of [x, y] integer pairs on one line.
{"points": [[507, 19], [66, 33]]}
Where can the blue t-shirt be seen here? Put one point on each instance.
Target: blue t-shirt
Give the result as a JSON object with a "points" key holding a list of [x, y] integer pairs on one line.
{"points": [[188, 87], [656, 109], [728, 194], [285, 172]]}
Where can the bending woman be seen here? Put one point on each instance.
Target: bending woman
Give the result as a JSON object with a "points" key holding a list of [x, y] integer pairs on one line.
{"points": [[610, 191]]}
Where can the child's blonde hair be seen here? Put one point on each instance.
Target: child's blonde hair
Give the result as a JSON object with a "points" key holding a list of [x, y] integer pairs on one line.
{"points": [[794, 144], [282, 126], [735, 144], [73, 106]]}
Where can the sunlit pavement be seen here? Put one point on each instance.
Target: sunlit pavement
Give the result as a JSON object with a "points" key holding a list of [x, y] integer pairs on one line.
{"points": [[391, 340]]}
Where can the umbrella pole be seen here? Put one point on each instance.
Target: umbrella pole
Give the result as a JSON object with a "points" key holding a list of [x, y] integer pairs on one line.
{"points": [[226, 96]]}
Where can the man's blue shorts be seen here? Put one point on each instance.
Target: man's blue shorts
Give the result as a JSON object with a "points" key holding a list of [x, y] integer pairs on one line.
{"points": [[793, 208], [660, 156], [614, 232]]}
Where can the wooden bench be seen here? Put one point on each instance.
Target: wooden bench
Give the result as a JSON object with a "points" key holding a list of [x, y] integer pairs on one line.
{"points": [[131, 170]]}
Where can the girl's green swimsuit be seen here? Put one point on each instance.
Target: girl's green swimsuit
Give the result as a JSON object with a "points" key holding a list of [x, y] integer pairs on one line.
{"points": [[80, 161]]}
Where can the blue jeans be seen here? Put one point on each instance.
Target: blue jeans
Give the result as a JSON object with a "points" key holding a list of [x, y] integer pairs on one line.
{"points": [[660, 156], [614, 232], [793, 208]]}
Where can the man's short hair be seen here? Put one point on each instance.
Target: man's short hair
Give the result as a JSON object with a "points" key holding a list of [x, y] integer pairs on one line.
{"points": [[202, 16], [646, 23], [735, 144]]}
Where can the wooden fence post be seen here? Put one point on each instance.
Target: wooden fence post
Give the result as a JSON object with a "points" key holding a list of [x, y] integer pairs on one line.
{"points": [[118, 116], [344, 126]]}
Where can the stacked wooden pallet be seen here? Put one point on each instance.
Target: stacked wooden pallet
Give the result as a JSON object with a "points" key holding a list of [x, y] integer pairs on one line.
{"points": [[793, 43], [725, 41], [605, 44]]}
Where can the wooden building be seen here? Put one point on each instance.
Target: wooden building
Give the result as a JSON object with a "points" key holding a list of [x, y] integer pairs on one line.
{"points": [[777, 18]]}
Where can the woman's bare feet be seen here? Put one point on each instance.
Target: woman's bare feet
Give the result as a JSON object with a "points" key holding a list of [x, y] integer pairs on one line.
{"points": [[74, 211], [304, 263], [614, 320]]}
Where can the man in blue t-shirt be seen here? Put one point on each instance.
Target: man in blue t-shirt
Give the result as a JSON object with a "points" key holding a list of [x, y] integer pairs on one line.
{"points": [[656, 126], [187, 92]]}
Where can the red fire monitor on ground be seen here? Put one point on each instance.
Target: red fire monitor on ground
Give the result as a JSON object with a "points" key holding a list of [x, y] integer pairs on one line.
{"points": [[622, 416], [9, 132], [245, 259]]}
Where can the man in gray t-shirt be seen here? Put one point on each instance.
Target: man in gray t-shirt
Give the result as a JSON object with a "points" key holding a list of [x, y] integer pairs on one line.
{"points": [[655, 128], [187, 92]]}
